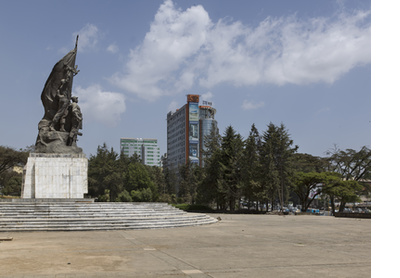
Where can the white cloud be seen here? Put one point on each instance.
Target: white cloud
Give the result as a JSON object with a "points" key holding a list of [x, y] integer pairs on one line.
{"points": [[175, 37], [207, 96], [251, 105], [113, 48], [184, 49], [88, 37], [100, 106], [173, 106]]}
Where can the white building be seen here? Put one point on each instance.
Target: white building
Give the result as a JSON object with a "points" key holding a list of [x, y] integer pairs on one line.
{"points": [[146, 149]]}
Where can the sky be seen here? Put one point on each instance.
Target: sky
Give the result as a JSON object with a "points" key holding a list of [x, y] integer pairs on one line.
{"points": [[306, 64]]}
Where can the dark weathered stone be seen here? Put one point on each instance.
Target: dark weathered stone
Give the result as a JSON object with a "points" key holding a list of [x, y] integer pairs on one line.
{"points": [[59, 127]]}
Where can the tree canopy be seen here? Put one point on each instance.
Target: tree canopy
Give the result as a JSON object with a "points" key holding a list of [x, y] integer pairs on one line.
{"points": [[10, 181]]}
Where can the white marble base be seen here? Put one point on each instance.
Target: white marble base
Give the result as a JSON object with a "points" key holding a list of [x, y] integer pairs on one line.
{"points": [[55, 176]]}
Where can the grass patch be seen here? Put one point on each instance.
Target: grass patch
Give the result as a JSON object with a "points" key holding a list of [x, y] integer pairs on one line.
{"points": [[9, 197]]}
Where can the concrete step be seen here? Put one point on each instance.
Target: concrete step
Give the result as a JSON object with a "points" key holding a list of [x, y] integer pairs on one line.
{"points": [[72, 216]]}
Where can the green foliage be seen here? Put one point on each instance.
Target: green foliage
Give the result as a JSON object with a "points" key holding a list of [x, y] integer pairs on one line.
{"points": [[142, 195], [261, 170], [252, 172], [10, 181], [112, 176], [276, 162], [303, 162], [230, 182], [137, 177], [10, 158], [354, 168], [207, 191], [343, 190], [124, 197], [190, 177], [351, 164], [105, 197], [307, 186], [105, 172], [193, 208]]}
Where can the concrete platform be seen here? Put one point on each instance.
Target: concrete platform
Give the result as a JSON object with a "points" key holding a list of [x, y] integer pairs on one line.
{"points": [[237, 246]]}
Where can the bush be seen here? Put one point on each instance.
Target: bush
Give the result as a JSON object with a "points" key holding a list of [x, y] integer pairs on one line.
{"points": [[193, 208], [142, 195], [124, 197]]}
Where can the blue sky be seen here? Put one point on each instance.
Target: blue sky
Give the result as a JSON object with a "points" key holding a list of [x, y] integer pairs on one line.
{"points": [[306, 64]]}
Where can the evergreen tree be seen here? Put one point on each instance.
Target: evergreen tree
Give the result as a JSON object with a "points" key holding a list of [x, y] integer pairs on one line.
{"points": [[230, 183], [208, 187], [139, 183], [251, 167], [105, 172], [276, 160]]}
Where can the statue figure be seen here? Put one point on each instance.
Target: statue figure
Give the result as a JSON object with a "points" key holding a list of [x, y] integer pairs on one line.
{"points": [[76, 116], [59, 127], [63, 101]]}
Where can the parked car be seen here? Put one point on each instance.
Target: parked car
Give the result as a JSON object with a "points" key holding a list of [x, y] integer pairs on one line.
{"points": [[313, 210], [295, 210]]}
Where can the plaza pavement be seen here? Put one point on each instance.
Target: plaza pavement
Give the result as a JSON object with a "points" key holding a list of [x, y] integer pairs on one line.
{"points": [[237, 246]]}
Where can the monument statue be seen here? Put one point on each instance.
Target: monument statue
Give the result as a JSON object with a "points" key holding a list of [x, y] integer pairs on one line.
{"points": [[57, 169], [59, 127]]}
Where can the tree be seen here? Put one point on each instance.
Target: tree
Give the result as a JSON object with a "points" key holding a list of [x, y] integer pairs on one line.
{"points": [[105, 172], [354, 168], [230, 182], [137, 177], [158, 179], [124, 196], [190, 178], [276, 161], [10, 158], [351, 164], [303, 162], [344, 191], [10, 181], [307, 186], [207, 191], [185, 181], [138, 181], [251, 167]]}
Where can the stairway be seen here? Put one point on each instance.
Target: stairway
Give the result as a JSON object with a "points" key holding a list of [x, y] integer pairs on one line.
{"points": [[50, 215]]}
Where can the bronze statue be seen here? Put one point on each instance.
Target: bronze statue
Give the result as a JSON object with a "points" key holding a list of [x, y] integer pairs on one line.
{"points": [[76, 116], [62, 119]]}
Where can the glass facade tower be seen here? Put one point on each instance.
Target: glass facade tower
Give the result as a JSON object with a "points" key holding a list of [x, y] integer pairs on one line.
{"points": [[186, 131]]}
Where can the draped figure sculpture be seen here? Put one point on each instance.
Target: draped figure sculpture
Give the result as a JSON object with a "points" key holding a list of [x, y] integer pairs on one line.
{"points": [[59, 127]]}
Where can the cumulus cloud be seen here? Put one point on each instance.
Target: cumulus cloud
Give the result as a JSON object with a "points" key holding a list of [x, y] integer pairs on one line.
{"points": [[100, 106], [251, 105], [159, 65], [184, 48], [88, 37]]}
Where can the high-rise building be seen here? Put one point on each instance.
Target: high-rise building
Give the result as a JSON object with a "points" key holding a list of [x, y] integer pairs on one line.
{"points": [[146, 149], [206, 124], [187, 129]]}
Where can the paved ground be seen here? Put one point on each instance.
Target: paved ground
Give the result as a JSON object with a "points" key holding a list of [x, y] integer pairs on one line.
{"points": [[237, 246]]}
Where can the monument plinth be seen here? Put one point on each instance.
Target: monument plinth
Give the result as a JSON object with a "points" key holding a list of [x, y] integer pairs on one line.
{"points": [[55, 176], [57, 169]]}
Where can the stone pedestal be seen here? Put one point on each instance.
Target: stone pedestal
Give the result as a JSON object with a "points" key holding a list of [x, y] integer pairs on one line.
{"points": [[55, 176]]}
